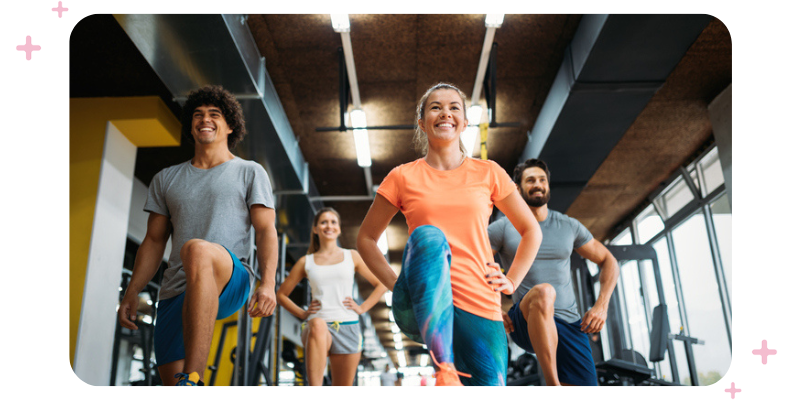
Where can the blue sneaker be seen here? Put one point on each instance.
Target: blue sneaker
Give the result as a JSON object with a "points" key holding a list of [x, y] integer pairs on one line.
{"points": [[192, 379]]}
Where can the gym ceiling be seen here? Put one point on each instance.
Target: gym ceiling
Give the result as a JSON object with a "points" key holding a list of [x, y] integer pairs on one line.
{"points": [[623, 101]]}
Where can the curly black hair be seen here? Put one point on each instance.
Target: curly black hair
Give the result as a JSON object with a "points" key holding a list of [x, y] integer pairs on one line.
{"points": [[529, 163], [218, 97]]}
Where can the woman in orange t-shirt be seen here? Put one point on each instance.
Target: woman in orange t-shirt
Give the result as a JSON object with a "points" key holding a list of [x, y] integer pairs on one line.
{"points": [[448, 292]]}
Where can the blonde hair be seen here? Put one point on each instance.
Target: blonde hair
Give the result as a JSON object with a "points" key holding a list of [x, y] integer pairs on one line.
{"points": [[314, 245], [420, 140]]}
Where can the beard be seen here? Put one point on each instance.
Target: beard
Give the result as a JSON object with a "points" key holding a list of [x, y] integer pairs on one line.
{"points": [[536, 201]]}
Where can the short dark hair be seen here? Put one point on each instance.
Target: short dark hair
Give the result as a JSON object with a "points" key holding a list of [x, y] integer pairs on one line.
{"points": [[218, 97], [529, 163]]}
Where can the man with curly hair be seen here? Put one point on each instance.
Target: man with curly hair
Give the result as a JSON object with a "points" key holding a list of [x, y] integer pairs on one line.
{"points": [[206, 205]]}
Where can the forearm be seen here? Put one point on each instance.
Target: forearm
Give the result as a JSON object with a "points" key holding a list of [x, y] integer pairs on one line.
{"points": [[526, 254], [145, 266], [267, 256], [609, 272], [290, 306], [377, 264], [373, 298]]}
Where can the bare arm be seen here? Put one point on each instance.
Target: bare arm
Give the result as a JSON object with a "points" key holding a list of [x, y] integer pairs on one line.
{"points": [[377, 292], [594, 251], [521, 217], [375, 222], [263, 302], [145, 266], [296, 275]]}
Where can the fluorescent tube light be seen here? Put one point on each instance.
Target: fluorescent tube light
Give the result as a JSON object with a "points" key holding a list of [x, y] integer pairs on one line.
{"points": [[340, 22], [474, 114], [359, 120], [387, 297], [468, 137], [494, 20], [383, 246]]}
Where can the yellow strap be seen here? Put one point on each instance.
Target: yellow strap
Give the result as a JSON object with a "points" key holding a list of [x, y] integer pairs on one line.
{"points": [[335, 325], [484, 133]]}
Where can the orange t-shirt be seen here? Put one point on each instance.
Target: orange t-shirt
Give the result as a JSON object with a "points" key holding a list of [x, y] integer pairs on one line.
{"points": [[459, 202]]}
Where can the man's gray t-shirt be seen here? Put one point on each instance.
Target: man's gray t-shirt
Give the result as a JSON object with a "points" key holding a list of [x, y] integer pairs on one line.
{"points": [[210, 204], [560, 236]]}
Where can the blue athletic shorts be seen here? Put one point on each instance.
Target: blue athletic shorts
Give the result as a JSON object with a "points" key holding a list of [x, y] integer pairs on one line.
{"points": [[573, 355], [168, 337]]}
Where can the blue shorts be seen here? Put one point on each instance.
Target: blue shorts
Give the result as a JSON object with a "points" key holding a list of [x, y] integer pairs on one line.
{"points": [[168, 336], [574, 361]]}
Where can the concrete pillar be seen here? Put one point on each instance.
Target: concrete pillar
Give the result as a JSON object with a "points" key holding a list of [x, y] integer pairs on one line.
{"points": [[104, 136]]}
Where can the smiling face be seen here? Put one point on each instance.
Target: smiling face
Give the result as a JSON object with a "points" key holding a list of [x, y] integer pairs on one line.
{"points": [[327, 226], [209, 125], [534, 187], [443, 117]]}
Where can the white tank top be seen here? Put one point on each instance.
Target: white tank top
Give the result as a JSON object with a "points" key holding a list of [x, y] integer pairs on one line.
{"points": [[330, 284]]}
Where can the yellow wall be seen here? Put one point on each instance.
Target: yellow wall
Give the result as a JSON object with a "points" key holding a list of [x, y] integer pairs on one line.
{"points": [[146, 122]]}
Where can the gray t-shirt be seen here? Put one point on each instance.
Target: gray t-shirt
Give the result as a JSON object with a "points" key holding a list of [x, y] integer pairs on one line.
{"points": [[560, 236], [209, 204]]}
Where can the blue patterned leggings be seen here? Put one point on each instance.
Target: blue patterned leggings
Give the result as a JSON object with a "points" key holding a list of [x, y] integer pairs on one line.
{"points": [[422, 304]]}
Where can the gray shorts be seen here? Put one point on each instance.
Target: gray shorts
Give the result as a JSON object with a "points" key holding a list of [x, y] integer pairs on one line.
{"points": [[345, 337]]}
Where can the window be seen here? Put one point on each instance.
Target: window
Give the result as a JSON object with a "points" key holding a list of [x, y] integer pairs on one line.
{"points": [[634, 308], [712, 172], [675, 197], [623, 239], [721, 214], [703, 305], [648, 224]]}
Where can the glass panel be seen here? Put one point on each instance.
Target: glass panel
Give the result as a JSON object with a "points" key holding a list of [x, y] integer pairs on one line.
{"points": [[623, 239], [637, 320], [675, 197], [648, 224], [712, 171], [703, 305], [673, 312], [721, 214]]}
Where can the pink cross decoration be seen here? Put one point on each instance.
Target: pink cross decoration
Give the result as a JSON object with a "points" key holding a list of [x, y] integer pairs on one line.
{"points": [[28, 48], [733, 390], [60, 9], [764, 352]]}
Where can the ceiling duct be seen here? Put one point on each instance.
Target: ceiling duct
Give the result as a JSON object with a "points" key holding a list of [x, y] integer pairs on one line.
{"points": [[611, 70], [189, 51]]}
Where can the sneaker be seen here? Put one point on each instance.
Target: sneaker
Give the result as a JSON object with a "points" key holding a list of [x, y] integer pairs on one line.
{"points": [[447, 375], [192, 379]]}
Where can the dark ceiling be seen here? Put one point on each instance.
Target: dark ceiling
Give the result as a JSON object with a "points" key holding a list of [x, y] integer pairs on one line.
{"points": [[397, 57]]}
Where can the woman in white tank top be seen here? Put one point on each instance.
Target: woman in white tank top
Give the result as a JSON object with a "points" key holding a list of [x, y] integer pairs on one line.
{"points": [[332, 317]]}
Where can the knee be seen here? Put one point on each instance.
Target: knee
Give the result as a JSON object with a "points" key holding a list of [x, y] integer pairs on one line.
{"points": [[192, 251], [427, 237], [317, 329], [541, 297]]}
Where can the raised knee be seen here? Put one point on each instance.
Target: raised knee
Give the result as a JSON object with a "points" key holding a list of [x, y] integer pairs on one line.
{"points": [[541, 297], [427, 236], [317, 328], [194, 250]]}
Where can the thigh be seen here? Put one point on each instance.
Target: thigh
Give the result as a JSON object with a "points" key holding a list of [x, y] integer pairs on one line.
{"points": [[236, 291], [344, 368], [480, 349], [321, 328], [217, 254]]}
